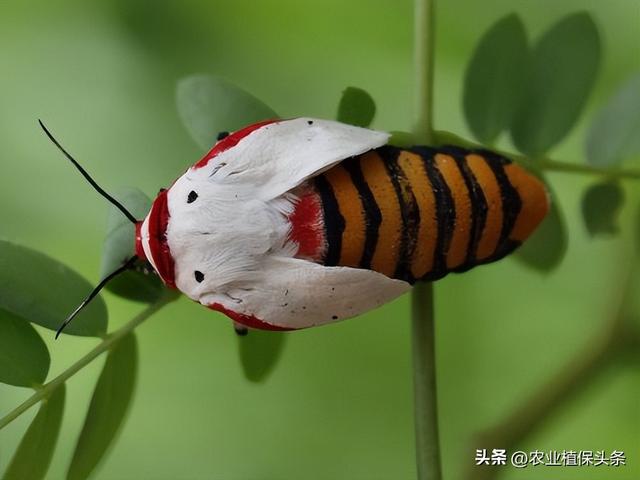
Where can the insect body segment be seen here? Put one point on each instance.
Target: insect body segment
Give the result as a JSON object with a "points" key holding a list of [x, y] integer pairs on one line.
{"points": [[418, 214]]}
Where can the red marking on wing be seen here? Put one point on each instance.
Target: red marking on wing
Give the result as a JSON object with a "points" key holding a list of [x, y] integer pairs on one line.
{"points": [[230, 141], [306, 226], [247, 320], [158, 222]]}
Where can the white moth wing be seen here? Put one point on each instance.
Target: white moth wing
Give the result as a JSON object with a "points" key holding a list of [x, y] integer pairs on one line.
{"points": [[224, 233], [295, 293], [235, 232], [279, 156]]}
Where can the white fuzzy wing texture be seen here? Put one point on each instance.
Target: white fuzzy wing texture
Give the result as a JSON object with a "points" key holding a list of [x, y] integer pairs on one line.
{"points": [[280, 156], [297, 293]]}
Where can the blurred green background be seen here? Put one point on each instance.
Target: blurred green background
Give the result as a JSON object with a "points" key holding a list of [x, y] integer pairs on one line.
{"points": [[339, 405]]}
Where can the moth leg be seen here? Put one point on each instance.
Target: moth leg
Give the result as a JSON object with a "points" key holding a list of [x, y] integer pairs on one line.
{"points": [[144, 268], [240, 329]]}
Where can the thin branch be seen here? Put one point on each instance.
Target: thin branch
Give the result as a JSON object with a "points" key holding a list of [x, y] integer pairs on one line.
{"points": [[556, 166], [109, 341], [422, 309], [553, 395], [442, 137], [423, 51], [424, 380]]}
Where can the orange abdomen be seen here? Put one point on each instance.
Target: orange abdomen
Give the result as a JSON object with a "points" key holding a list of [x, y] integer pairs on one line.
{"points": [[420, 213]]}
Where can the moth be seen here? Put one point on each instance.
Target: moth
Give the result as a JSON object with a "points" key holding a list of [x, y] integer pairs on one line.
{"points": [[289, 224]]}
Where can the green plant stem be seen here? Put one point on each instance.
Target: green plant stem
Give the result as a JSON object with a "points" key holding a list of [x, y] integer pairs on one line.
{"points": [[422, 309], [443, 137], [108, 342], [424, 379], [553, 165], [423, 65]]}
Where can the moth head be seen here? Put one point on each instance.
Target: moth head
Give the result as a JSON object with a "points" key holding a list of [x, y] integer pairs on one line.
{"points": [[177, 236], [151, 240]]}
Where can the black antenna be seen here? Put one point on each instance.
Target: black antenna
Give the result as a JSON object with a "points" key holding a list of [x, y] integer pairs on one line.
{"points": [[84, 173], [129, 263]]}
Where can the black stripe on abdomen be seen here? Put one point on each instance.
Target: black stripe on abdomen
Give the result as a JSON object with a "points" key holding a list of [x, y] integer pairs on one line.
{"points": [[333, 221], [511, 203], [478, 204], [409, 213], [445, 212], [372, 214]]}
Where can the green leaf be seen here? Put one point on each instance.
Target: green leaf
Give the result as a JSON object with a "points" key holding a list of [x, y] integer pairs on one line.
{"points": [[42, 290], [119, 246], [563, 69], [260, 350], [601, 205], [443, 138], [33, 457], [440, 138], [209, 105], [24, 358], [401, 139], [547, 246], [356, 107], [495, 78], [614, 134], [109, 404]]}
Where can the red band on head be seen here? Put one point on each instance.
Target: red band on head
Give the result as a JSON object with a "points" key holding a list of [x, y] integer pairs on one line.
{"points": [[230, 141], [247, 320], [158, 246]]}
